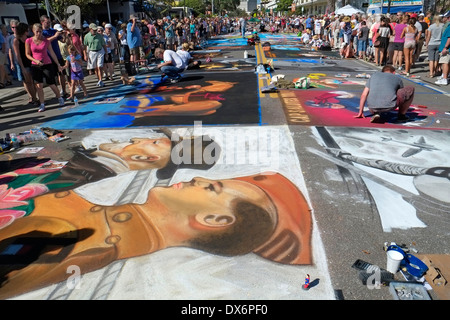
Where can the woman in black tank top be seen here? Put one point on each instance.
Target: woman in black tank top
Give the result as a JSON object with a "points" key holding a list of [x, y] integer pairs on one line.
{"points": [[21, 33]]}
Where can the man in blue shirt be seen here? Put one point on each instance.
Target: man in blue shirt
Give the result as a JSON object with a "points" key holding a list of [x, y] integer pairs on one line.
{"points": [[309, 23], [243, 24], [53, 35], [133, 39], [168, 26]]}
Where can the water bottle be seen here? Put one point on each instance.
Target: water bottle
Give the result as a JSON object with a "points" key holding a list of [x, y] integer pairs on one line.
{"points": [[245, 54], [76, 101], [14, 141]]}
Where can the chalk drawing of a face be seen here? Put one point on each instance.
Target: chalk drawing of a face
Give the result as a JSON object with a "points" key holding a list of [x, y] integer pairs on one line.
{"points": [[332, 100]]}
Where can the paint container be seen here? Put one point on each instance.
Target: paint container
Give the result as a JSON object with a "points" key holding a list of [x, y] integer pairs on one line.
{"points": [[245, 54], [394, 258]]}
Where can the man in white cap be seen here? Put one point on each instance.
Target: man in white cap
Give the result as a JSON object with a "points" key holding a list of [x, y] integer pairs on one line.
{"points": [[94, 52], [113, 47]]}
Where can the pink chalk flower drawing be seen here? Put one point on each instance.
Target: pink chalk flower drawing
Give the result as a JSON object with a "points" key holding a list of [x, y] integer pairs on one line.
{"points": [[10, 198]]}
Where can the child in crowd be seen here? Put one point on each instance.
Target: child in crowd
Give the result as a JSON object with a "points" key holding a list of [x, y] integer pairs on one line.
{"points": [[73, 60], [315, 42]]}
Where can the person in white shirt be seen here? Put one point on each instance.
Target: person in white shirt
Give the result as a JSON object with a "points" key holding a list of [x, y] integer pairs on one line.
{"points": [[172, 66], [306, 37], [187, 58]]}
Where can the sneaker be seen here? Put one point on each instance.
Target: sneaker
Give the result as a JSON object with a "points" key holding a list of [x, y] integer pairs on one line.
{"points": [[174, 80], [77, 89], [376, 118], [442, 82], [402, 118], [400, 68], [41, 108], [100, 84], [61, 101]]}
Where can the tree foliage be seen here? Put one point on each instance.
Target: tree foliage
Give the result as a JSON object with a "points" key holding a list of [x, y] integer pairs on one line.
{"points": [[58, 8], [283, 5]]}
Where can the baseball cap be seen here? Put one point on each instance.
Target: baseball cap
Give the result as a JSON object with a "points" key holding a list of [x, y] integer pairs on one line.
{"points": [[92, 26], [119, 22], [414, 15], [421, 15], [58, 27], [85, 25], [447, 14], [108, 25], [290, 242]]}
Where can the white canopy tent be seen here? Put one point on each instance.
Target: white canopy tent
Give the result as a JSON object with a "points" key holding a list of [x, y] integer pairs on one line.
{"points": [[348, 10]]}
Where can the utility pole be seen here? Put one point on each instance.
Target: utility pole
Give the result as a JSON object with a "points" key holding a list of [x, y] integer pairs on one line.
{"points": [[47, 6]]}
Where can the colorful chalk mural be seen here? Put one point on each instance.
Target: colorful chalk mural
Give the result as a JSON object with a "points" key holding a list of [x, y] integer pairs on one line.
{"points": [[333, 100], [405, 172], [214, 99], [145, 191]]}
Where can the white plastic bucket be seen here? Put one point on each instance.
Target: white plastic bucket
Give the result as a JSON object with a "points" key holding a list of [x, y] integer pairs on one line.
{"points": [[394, 258]]}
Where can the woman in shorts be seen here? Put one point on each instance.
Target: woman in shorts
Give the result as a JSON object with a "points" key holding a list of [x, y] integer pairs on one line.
{"points": [[23, 65], [433, 37], [397, 60], [383, 33], [39, 50], [410, 34]]}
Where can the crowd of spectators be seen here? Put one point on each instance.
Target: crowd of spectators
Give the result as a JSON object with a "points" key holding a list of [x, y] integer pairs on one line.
{"points": [[396, 39], [56, 50]]}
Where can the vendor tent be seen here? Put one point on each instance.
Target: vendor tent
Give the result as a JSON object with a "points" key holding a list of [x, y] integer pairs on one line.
{"points": [[348, 10]]}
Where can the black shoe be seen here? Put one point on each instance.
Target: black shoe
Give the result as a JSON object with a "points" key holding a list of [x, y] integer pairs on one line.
{"points": [[1, 109], [402, 118]]}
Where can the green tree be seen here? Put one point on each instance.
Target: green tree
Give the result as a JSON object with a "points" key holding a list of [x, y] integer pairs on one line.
{"points": [[58, 8], [283, 5], [199, 6]]}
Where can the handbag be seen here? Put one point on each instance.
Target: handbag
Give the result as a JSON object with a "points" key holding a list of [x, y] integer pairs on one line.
{"points": [[377, 42]]}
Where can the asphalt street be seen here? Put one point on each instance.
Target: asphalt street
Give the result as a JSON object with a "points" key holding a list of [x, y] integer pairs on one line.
{"points": [[347, 167]]}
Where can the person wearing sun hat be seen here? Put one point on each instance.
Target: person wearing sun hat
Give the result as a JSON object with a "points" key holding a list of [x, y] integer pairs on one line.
{"points": [[186, 56], [347, 30]]}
